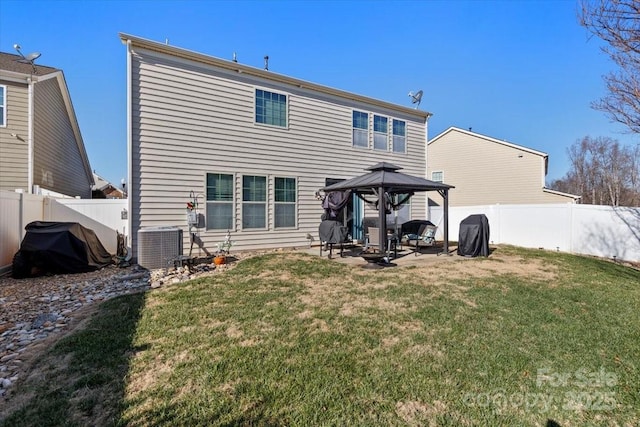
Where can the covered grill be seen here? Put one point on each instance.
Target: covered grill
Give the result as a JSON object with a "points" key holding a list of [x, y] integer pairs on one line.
{"points": [[473, 239]]}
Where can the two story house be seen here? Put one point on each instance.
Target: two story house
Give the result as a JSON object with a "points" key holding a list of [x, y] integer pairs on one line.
{"points": [[487, 170], [249, 148], [41, 148]]}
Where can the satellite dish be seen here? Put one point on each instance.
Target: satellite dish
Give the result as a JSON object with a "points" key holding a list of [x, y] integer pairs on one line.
{"points": [[27, 59], [416, 98]]}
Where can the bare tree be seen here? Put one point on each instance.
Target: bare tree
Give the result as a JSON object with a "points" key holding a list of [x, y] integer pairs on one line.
{"points": [[617, 23], [603, 172]]}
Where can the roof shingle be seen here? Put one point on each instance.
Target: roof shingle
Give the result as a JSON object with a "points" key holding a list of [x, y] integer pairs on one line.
{"points": [[9, 62]]}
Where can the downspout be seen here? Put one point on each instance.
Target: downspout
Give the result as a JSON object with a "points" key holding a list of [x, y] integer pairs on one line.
{"points": [[426, 162], [30, 135], [129, 151]]}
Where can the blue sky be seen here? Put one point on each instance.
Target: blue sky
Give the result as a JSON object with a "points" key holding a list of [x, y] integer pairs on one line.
{"points": [[521, 71]]}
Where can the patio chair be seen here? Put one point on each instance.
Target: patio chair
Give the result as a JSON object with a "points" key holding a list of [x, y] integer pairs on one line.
{"points": [[373, 242], [372, 239], [425, 237]]}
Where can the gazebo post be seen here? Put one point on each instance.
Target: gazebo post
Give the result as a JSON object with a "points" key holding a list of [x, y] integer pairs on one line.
{"points": [[382, 220], [446, 221], [445, 197]]}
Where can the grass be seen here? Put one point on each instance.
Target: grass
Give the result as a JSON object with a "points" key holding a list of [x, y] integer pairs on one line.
{"points": [[522, 338]]}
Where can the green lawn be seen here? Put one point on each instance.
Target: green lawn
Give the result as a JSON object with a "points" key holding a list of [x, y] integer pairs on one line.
{"points": [[524, 337]]}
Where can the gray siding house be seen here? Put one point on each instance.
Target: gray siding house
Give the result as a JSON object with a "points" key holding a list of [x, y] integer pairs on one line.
{"points": [[41, 147], [487, 170], [252, 147]]}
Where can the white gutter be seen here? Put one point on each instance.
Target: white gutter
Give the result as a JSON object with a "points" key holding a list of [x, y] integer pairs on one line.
{"points": [[175, 52]]}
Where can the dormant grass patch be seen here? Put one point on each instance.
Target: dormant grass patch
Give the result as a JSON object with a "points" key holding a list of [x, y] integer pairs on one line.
{"points": [[523, 337]]}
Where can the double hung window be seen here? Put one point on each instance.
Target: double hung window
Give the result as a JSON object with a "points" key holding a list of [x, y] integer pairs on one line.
{"points": [[360, 129], [380, 132], [254, 201], [219, 201], [3, 106], [399, 136], [284, 202]]}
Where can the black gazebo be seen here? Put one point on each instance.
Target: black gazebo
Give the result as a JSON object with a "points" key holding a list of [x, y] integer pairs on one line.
{"points": [[384, 181]]}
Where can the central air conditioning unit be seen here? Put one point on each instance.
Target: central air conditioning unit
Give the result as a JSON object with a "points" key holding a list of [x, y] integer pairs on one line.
{"points": [[159, 246]]}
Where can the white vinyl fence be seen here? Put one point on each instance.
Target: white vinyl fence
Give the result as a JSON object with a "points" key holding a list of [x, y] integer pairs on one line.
{"points": [[604, 231], [19, 209]]}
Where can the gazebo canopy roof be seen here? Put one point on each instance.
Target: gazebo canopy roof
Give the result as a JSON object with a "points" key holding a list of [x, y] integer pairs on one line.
{"points": [[385, 178], [386, 175]]}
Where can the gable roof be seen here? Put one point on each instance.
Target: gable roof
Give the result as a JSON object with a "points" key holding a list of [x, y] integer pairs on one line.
{"points": [[100, 182], [236, 67], [488, 138], [544, 156]]}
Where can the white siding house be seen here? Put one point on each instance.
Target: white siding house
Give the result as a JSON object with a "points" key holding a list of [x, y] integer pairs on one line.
{"points": [[251, 146]]}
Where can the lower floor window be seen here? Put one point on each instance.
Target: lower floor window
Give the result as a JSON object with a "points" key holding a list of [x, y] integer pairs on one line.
{"points": [[222, 198], [284, 202], [219, 201], [254, 201]]}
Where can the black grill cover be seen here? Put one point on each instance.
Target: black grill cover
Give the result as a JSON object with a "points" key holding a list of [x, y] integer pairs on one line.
{"points": [[331, 231], [63, 247], [473, 239]]}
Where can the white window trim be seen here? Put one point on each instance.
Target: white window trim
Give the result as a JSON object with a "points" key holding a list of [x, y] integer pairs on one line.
{"points": [[406, 137], [386, 135], [296, 205], [242, 202], [233, 203], [438, 171], [4, 107], [270, 126], [369, 125]]}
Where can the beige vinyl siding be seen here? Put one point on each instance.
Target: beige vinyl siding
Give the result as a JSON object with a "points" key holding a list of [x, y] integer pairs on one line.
{"points": [[58, 164], [557, 198], [487, 172], [189, 120], [14, 152]]}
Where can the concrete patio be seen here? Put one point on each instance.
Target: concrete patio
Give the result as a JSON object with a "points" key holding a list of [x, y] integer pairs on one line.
{"points": [[406, 256]]}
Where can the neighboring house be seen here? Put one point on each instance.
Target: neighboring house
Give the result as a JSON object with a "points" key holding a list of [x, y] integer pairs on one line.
{"points": [[41, 148], [251, 146], [103, 189], [486, 170]]}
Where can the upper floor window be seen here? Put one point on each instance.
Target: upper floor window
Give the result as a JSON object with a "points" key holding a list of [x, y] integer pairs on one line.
{"points": [[254, 201], [399, 136], [437, 176], [3, 105], [271, 108], [360, 129], [219, 201], [285, 202], [380, 132]]}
